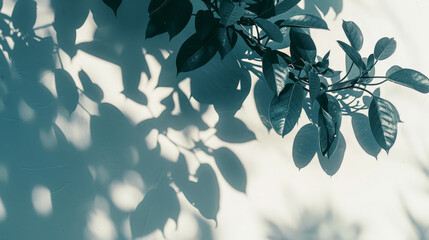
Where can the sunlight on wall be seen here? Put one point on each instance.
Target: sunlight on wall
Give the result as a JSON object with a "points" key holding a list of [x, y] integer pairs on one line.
{"points": [[125, 196], [100, 226], [41, 198], [3, 214]]}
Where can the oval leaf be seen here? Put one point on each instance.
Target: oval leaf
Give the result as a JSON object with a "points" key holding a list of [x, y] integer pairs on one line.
{"points": [[231, 168], [384, 48], [275, 71], [66, 90], [230, 12], [305, 145], [227, 39], [271, 29], [354, 34], [304, 21], [286, 109], [177, 17], [314, 85], [353, 54], [410, 78], [383, 122], [329, 123], [24, 15], [302, 46]]}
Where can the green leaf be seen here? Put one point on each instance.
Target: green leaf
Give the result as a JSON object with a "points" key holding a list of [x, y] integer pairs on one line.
{"points": [[275, 71], [329, 123], [285, 6], [305, 145], [410, 78], [286, 109], [304, 21], [113, 4], [24, 15], [267, 8], [353, 54], [195, 52], [230, 12], [383, 122], [384, 48], [271, 29], [227, 39], [314, 85], [154, 5], [177, 16], [155, 27], [354, 34], [302, 46], [370, 62], [393, 69], [231, 168], [204, 23], [66, 90]]}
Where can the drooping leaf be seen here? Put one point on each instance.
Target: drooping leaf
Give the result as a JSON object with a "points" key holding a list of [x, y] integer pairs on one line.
{"points": [[275, 71], [286, 109], [68, 95], [332, 164], [113, 4], [314, 85], [227, 38], [195, 52], [157, 5], [353, 54], [354, 34], [263, 97], [329, 122], [271, 29], [302, 46], [177, 16], [24, 15], [152, 213], [383, 122], [231, 168], [384, 48], [305, 145], [410, 78], [155, 27], [362, 130], [304, 21], [204, 23], [230, 12]]}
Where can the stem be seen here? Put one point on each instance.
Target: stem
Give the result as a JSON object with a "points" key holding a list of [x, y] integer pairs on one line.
{"points": [[348, 72], [363, 89], [373, 84], [373, 77]]}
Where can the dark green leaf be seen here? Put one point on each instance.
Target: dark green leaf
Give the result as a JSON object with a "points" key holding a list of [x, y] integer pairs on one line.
{"points": [[410, 78], [384, 48], [195, 52], [275, 71], [227, 39], [370, 62], [393, 69], [24, 15], [329, 122], [113, 4], [383, 122], [231, 168], [204, 23], [304, 21], [155, 27], [353, 54], [302, 46], [285, 6], [271, 29], [305, 145], [230, 12], [152, 213], [177, 16], [66, 90], [314, 85], [331, 73], [156, 6], [354, 34], [286, 109]]}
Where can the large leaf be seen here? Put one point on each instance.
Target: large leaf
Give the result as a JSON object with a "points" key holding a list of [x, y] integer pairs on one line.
{"points": [[231, 168], [354, 34], [353, 54], [195, 52], [68, 95], [329, 122], [275, 71], [230, 12], [24, 15], [285, 6], [410, 78], [383, 122], [177, 16], [286, 109], [155, 5], [152, 213], [304, 21], [266, 9], [204, 23], [227, 38], [302, 46], [384, 48], [271, 29], [113, 4]]}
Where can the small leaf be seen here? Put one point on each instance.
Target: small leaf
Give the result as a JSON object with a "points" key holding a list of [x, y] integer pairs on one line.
{"points": [[227, 39], [304, 21], [353, 54], [230, 12], [195, 53], [370, 62], [314, 85], [384, 48], [354, 34], [302, 46], [66, 90], [286, 109], [275, 71], [329, 122], [177, 16], [410, 78], [231, 168], [271, 29], [382, 119], [113, 4], [305, 145]]}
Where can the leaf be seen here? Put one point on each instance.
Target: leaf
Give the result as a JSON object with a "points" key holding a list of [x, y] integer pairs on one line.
{"points": [[155, 27], [271, 29], [113, 4], [177, 16], [383, 123], [227, 39], [285, 6], [204, 23], [195, 53], [233, 130], [384, 48], [393, 69], [230, 12], [354, 34], [410, 78], [24, 15], [302, 46], [314, 84], [329, 122], [332, 164], [275, 71], [66, 90], [362, 130], [231, 168], [370, 62], [286, 109], [305, 145], [353, 54], [91, 90], [156, 5], [304, 21], [152, 213]]}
